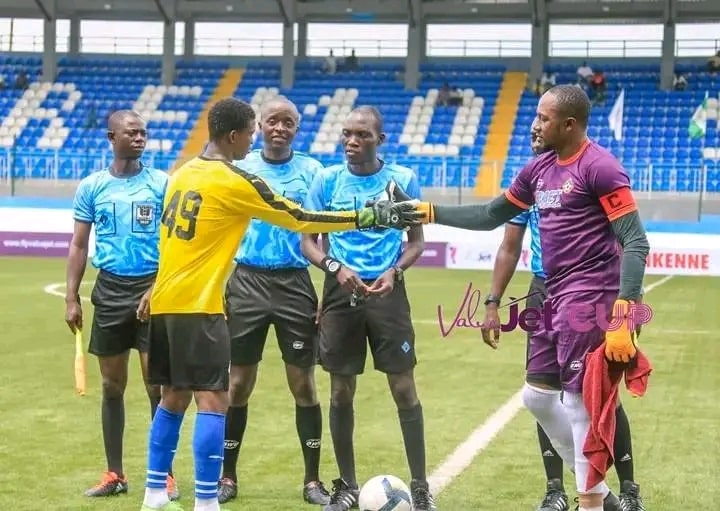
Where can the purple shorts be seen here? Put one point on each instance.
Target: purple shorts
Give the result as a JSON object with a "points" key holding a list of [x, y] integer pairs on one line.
{"points": [[574, 332]]}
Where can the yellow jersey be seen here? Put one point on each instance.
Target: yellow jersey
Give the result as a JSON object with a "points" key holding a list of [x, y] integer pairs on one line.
{"points": [[208, 206]]}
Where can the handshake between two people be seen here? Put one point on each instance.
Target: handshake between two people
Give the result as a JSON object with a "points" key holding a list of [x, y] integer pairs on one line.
{"points": [[397, 211]]}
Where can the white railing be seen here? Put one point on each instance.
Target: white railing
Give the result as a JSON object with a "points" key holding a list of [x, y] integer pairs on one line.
{"points": [[248, 47], [448, 176]]}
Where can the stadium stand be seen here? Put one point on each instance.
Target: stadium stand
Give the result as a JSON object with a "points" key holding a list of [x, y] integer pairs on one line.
{"points": [[444, 144], [58, 130], [656, 149], [45, 132]]}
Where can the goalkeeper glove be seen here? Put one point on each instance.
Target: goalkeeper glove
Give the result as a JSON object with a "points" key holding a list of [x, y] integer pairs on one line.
{"points": [[426, 210], [619, 341], [397, 211], [384, 213]]}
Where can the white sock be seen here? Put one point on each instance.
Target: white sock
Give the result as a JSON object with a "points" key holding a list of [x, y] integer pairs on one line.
{"points": [[155, 497], [598, 508], [580, 424], [545, 405], [211, 504]]}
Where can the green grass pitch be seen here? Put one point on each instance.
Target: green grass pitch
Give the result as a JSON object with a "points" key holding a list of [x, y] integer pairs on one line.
{"points": [[51, 445]]}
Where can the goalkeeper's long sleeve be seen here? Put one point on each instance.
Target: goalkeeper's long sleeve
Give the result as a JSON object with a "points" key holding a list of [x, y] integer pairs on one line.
{"points": [[476, 217], [631, 234]]}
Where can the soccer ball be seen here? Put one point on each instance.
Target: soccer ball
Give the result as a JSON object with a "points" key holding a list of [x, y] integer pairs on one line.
{"points": [[385, 493]]}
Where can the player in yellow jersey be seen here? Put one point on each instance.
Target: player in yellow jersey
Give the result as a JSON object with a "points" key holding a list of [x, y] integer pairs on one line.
{"points": [[208, 206]]}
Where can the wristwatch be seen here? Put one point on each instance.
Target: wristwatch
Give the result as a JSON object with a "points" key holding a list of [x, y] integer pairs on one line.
{"points": [[399, 273], [492, 299], [331, 266]]}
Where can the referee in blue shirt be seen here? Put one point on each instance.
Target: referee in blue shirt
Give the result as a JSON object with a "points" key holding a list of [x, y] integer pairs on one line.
{"points": [[364, 302], [124, 203], [508, 255], [271, 285]]}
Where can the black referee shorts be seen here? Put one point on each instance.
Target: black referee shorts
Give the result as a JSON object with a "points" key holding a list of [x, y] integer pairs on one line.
{"points": [[189, 351], [115, 327], [286, 299], [382, 323]]}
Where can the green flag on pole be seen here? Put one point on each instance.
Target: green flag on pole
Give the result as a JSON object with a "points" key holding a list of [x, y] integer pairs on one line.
{"points": [[698, 122]]}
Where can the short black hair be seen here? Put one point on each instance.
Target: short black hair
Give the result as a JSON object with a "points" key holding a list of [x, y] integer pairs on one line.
{"points": [[573, 102], [277, 100], [374, 112], [227, 115], [119, 116]]}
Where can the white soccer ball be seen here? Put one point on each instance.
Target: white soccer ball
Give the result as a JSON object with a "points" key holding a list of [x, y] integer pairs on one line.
{"points": [[385, 493]]}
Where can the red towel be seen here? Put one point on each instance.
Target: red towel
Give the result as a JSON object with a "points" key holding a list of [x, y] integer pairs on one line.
{"points": [[600, 394]]}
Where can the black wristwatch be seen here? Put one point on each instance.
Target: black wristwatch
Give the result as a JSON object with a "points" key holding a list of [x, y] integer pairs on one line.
{"points": [[331, 266], [492, 299]]}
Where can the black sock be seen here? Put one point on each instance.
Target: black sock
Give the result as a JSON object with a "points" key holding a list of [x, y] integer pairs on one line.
{"points": [[551, 459], [235, 424], [623, 447], [308, 420], [342, 426], [113, 424], [413, 431], [154, 403]]}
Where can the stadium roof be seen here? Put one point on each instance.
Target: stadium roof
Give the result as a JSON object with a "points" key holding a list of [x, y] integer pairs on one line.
{"points": [[432, 11]]}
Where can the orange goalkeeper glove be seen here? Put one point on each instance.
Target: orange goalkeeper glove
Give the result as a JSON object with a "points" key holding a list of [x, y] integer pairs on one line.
{"points": [[620, 340]]}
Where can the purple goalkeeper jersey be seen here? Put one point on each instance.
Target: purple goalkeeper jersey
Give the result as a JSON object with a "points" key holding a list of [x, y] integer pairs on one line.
{"points": [[577, 199]]}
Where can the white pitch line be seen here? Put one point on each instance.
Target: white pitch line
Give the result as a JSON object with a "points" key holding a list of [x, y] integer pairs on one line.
{"points": [[52, 289], [461, 458], [466, 452]]}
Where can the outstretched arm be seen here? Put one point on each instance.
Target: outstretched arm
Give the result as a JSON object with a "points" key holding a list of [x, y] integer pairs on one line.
{"points": [[474, 217], [256, 199]]}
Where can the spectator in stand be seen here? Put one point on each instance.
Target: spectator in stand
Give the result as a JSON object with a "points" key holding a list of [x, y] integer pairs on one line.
{"points": [[584, 73], [679, 82], [448, 96], [598, 85], [714, 63], [21, 81], [547, 81], [351, 62], [330, 65]]}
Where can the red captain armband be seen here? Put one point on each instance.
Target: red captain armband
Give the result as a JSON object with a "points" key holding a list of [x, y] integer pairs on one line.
{"points": [[509, 196], [618, 203]]}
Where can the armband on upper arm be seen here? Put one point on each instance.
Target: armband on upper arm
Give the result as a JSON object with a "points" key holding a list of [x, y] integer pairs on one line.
{"points": [[517, 202], [618, 203]]}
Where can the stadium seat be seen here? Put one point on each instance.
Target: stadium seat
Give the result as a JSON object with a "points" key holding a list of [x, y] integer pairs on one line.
{"points": [[46, 126], [50, 120], [655, 138], [443, 144]]}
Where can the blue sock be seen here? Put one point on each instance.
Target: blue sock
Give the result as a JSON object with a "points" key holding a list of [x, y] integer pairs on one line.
{"points": [[208, 447], [164, 436]]}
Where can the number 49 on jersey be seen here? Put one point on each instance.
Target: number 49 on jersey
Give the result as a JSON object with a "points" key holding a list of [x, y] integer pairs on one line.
{"points": [[181, 213]]}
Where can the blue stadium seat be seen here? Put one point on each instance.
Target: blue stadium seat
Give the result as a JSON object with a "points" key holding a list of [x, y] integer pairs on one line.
{"points": [[443, 144], [50, 126], [47, 130], [655, 139]]}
